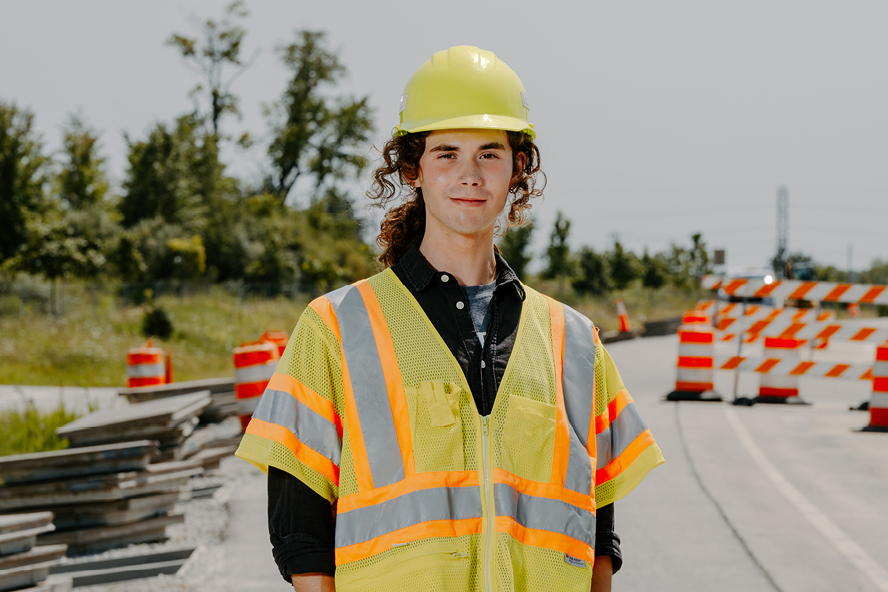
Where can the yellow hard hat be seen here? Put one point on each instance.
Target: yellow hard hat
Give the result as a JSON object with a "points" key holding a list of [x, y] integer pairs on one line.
{"points": [[464, 87]]}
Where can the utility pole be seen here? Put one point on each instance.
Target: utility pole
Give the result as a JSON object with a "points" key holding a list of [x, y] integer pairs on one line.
{"points": [[782, 231]]}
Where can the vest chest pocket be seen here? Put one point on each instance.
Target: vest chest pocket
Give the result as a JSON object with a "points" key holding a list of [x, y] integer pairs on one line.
{"points": [[528, 439], [436, 426]]}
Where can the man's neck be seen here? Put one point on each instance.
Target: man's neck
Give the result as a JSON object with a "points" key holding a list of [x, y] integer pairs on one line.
{"points": [[468, 258]]}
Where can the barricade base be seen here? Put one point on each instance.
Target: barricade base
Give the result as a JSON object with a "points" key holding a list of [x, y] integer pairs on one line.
{"points": [[708, 396], [794, 400]]}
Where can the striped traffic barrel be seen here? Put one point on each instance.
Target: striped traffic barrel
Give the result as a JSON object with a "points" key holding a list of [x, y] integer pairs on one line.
{"points": [[623, 316], [774, 388], [145, 366], [279, 338], [878, 405], [254, 363], [696, 359]]}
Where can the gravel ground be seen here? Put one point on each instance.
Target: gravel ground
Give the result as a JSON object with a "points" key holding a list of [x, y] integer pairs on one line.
{"points": [[204, 528]]}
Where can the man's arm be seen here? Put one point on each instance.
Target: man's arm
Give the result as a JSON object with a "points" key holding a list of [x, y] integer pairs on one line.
{"points": [[602, 572], [321, 582]]}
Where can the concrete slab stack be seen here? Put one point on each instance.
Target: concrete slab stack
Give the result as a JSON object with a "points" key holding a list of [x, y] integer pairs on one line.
{"points": [[224, 401], [103, 496], [23, 565]]}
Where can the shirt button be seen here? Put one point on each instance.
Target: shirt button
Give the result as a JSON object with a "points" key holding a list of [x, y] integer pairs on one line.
{"points": [[483, 364], [460, 305], [445, 278]]}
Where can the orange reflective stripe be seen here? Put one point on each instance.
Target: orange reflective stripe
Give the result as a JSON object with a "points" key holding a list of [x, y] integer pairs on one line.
{"points": [[863, 334], [766, 366], [801, 368], [545, 539], [407, 485], [546, 490], [731, 363], [622, 462], [622, 399], [828, 332], [308, 456], [562, 427], [423, 530], [800, 292], [391, 372], [837, 370], [306, 396], [872, 294], [361, 465], [836, 292]]}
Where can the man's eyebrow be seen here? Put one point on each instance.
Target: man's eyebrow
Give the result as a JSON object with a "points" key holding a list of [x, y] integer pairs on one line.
{"points": [[450, 148]]}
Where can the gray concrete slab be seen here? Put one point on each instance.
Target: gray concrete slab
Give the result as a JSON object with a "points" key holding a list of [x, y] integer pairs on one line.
{"points": [[47, 398]]}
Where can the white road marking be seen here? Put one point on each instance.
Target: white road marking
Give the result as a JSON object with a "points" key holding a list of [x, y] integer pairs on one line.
{"points": [[835, 535]]}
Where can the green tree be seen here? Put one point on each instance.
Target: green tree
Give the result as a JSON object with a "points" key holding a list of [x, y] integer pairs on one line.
{"points": [[175, 174], [23, 176], [560, 265], [698, 258], [688, 266], [623, 266], [514, 248], [877, 273], [218, 49], [654, 270], [593, 275], [82, 180], [315, 135]]}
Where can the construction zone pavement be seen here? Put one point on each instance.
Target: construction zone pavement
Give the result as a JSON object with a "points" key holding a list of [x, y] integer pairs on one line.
{"points": [[787, 498]]}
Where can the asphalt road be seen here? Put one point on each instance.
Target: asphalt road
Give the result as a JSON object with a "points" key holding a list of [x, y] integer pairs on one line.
{"points": [[765, 498]]}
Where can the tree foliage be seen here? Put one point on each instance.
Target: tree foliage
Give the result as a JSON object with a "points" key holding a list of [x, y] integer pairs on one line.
{"points": [[217, 49], [593, 273], [23, 176], [82, 180], [514, 249], [623, 266], [653, 270], [314, 135]]}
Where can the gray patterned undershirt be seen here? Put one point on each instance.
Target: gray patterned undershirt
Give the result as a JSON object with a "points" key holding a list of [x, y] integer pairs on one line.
{"points": [[479, 306]]}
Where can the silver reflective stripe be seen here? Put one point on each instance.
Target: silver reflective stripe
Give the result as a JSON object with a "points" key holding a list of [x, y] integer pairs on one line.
{"points": [[619, 435], [254, 373], [541, 513], [579, 467], [368, 386], [145, 370], [579, 371], [313, 430], [440, 503]]}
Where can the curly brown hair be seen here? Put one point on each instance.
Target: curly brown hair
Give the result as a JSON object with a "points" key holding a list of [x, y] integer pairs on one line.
{"points": [[404, 225]]}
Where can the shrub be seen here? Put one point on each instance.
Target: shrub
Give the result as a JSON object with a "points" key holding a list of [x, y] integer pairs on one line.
{"points": [[31, 430], [157, 323]]}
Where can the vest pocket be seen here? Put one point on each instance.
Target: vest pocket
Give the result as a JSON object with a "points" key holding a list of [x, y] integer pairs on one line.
{"points": [[436, 426], [528, 439]]}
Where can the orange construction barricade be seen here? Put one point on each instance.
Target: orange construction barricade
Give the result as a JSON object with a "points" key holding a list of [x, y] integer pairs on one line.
{"points": [[254, 363], [145, 366], [279, 338], [696, 360], [878, 405], [774, 388], [625, 327]]}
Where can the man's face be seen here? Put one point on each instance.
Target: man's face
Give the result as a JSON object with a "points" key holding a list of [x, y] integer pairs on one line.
{"points": [[465, 176]]}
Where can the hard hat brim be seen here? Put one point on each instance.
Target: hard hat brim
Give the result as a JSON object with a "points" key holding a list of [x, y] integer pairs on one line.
{"points": [[496, 122]]}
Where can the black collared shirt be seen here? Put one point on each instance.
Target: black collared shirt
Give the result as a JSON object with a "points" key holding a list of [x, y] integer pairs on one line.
{"points": [[300, 521]]}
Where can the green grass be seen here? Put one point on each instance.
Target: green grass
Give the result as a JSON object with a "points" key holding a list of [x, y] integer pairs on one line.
{"points": [[22, 432], [87, 346]]}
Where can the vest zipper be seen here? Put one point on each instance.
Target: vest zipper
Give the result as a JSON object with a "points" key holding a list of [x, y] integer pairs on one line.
{"points": [[488, 497]]}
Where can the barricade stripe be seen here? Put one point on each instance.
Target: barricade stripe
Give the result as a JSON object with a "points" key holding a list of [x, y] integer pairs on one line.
{"points": [[767, 365], [801, 368], [863, 334], [836, 292], [872, 294]]}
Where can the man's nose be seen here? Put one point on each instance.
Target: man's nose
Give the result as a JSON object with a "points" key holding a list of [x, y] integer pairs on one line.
{"points": [[470, 175]]}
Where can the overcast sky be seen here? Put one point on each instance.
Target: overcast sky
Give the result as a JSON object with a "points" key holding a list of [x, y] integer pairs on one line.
{"points": [[655, 119]]}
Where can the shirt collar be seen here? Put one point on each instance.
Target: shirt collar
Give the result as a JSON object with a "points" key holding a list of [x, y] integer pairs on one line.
{"points": [[420, 273]]}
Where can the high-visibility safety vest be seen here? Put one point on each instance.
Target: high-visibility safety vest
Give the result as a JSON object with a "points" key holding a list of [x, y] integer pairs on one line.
{"points": [[370, 409]]}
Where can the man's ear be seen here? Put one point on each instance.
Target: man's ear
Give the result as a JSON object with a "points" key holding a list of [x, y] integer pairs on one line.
{"points": [[520, 163]]}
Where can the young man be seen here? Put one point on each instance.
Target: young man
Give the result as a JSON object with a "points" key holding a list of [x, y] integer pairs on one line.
{"points": [[440, 426]]}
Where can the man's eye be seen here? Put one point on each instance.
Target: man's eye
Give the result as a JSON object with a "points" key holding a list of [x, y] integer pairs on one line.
{"points": [[490, 155]]}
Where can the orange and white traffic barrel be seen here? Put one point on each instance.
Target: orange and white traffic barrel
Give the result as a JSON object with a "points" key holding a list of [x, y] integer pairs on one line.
{"points": [[279, 338], [776, 388], [254, 363], [145, 366], [878, 405], [695, 369], [853, 310], [625, 327]]}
